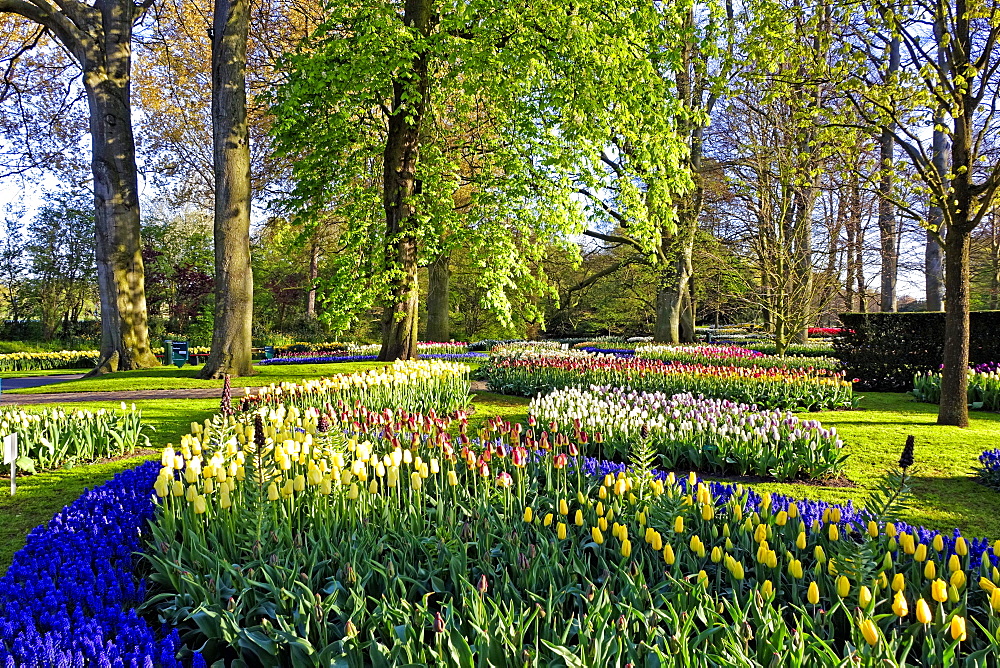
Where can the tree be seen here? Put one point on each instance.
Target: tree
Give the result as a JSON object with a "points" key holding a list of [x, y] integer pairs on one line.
{"points": [[98, 37], [952, 79], [409, 77], [13, 266], [60, 239], [231, 334]]}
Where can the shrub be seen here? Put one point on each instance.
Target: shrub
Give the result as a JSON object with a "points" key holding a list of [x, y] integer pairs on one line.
{"points": [[687, 432], [886, 350]]}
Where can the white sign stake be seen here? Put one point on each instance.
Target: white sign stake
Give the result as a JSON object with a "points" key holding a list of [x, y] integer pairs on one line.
{"points": [[10, 457]]}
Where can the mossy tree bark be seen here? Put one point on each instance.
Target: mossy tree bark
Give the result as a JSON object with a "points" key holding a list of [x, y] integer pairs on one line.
{"points": [[99, 38], [231, 334], [438, 284], [399, 185]]}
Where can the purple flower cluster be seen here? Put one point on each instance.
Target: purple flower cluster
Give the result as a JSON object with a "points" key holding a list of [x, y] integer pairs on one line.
{"points": [[330, 359], [69, 597], [985, 367], [989, 469]]}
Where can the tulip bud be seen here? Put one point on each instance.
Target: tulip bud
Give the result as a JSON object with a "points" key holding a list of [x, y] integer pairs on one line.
{"points": [[958, 628], [930, 571], [939, 591], [924, 615], [812, 594], [898, 582], [864, 596], [679, 524], [843, 586], [561, 531], [899, 605], [668, 554]]}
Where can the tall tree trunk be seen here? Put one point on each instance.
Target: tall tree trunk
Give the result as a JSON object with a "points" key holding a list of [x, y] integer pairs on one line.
{"points": [[935, 216], [438, 279], [120, 273], [954, 409], [231, 335], [886, 208], [399, 185], [313, 276]]}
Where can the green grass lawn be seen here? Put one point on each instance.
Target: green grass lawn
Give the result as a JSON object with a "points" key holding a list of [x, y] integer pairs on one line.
{"points": [[41, 496], [172, 378], [945, 494]]}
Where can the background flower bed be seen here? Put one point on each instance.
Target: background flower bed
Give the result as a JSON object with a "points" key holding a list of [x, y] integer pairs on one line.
{"points": [[53, 437], [34, 361], [310, 358], [687, 432], [528, 375]]}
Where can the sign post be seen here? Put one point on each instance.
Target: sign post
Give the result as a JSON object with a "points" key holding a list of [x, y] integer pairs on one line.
{"points": [[10, 458]]}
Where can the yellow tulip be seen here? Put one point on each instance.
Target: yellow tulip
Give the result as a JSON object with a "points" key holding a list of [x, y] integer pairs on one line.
{"points": [[225, 502], [353, 492], [452, 477], [679, 524], [561, 531], [602, 522], [938, 543], [599, 509], [626, 548], [595, 533], [957, 579], [657, 543], [958, 628], [800, 542], [924, 615], [870, 632], [716, 554], [920, 554], [707, 512], [898, 582], [939, 591], [578, 518], [160, 486], [961, 549], [954, 563], [995, 599], [325, 487], [833, 532], [199, 504], [373, 486], [873, 529], [864, 596], [668, 554], [795, 569], [767, 589], [299, 483], [528, 516], [548, 519], [812, 594], [563, 507], [843, 586], [930, 571], [899, 605]]}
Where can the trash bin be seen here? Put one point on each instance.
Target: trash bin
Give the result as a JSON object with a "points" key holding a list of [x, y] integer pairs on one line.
{"points": [[168, 352], [179, 354]]}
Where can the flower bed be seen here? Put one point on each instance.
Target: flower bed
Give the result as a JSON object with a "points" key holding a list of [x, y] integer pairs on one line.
{"points": [[730, 355], [824, 331], [414, 385], [983, 390], [69, 597], [53, 437], [386, 539], [707, 435], [311, 358], [66, 359], [989, 469], [428, 347], [771, 388]]}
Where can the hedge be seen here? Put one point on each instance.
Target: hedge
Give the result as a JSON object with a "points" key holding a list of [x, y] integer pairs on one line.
{"points": [[885, 350]]}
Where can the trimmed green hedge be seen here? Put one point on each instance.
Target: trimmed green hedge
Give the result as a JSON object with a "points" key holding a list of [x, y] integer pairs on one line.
{"points": [[885, 350]]}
